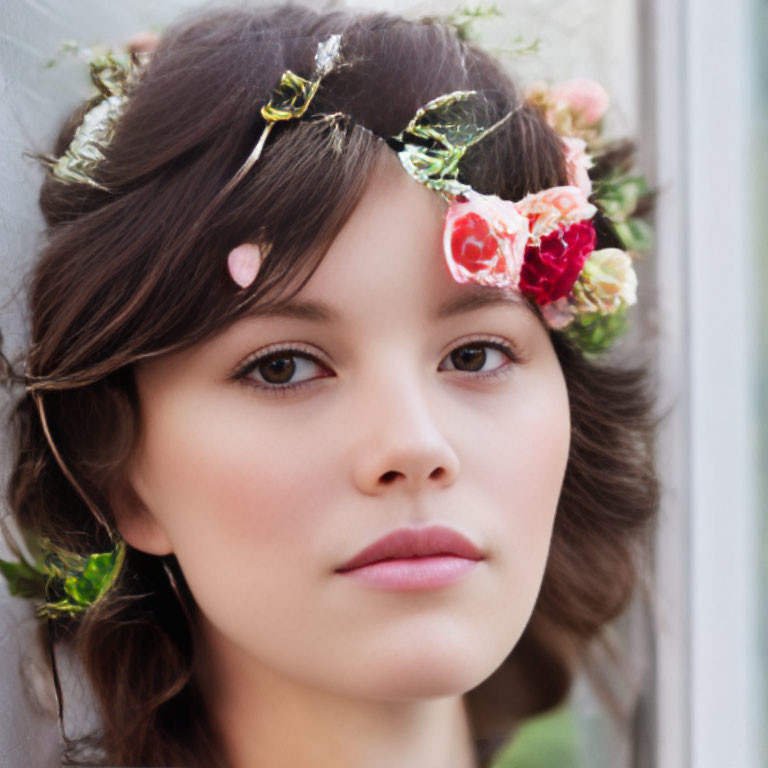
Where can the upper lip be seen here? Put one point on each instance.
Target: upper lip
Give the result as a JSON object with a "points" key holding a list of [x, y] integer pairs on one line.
{"points": [[415, 542]]}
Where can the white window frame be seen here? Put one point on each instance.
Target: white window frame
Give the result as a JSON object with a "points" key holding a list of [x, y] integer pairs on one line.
{"points": [[697, 93]]}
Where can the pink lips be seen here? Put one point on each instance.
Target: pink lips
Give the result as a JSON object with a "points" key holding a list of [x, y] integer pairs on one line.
{"points": [[414, 558]]}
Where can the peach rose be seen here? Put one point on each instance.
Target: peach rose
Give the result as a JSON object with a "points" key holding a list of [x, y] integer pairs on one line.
{"points": [[555, 207], [609, 280]]}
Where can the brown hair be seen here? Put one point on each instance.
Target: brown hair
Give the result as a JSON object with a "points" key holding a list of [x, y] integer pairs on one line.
{"points": [[140, 269]]}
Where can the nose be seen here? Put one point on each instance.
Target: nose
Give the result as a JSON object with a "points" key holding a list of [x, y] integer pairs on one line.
{"points": [[400, 445]]}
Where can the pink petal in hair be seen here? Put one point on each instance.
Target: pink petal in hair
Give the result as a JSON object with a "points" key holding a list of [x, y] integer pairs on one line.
{"points": [[244, 262]]}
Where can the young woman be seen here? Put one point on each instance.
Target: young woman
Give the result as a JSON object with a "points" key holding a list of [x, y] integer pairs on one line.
{"points": [[307, 369]]}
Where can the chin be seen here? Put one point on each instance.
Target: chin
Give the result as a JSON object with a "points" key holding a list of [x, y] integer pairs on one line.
{"points": [[434, 668], [433, 680]]}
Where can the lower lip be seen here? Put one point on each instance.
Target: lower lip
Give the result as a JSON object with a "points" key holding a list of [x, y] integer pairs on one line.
{"points": [[412, 573]]}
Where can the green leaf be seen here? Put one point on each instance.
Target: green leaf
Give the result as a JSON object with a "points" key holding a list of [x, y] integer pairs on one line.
{"points": [[60, 608], [619, 197], [520, 47], [23, 580], [74, 581], [450, 120], [95, 579], [83, 579], [441, 131], [594, 333], [290, 99], [636, 234], [464, 19]]}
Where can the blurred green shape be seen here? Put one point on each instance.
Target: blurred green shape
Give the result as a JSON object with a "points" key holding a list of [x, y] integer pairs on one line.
{"points": [[548, 741], [594, 333], [24, 580]]}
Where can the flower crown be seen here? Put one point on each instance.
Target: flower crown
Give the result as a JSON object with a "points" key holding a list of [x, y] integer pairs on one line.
{"points": [[542, 245]]}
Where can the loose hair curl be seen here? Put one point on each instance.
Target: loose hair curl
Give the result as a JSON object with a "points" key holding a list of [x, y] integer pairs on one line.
{"points": [[139, 270]]}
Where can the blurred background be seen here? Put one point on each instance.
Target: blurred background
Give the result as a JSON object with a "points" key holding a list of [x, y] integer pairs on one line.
{"points": [[680, 681]]}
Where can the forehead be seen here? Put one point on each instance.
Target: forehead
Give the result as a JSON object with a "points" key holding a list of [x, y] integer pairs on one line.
{"points": [[388, 257]]}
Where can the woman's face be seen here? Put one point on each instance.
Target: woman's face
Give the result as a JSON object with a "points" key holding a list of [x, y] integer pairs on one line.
{"points": [[386, 396]]}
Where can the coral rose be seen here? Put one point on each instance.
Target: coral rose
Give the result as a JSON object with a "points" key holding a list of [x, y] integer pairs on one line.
{"points": [[484, 240]]}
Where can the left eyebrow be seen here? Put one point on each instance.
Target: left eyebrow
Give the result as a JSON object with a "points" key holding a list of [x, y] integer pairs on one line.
{"points": [[299, 310], [479, 297]]}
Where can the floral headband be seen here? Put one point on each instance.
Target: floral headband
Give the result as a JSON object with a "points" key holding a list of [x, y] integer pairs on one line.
{"points": [[542, 245]]}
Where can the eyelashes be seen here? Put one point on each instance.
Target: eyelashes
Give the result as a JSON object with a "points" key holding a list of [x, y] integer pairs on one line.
{"points": [[278, 366], [282, 369]]}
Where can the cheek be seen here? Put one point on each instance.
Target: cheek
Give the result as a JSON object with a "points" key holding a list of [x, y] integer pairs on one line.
{"points": [[245, 505], [231, 494], [523, 465], [212, 454]]}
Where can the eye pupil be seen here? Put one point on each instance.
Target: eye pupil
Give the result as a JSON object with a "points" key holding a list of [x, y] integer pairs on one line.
{"points": [[468, 358], [278, 370]]}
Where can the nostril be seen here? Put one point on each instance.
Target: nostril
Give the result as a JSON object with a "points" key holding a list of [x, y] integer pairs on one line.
{"points": [[390, 476]]}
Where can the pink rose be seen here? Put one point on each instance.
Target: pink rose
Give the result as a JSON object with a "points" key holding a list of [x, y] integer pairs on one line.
{"points": [[578, 163], [586, 97], [555, 207], [484, 240]]}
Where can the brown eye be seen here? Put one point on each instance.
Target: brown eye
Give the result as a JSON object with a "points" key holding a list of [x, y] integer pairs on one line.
{"points": [[468, 358], [282, 370], [278, 369], [484, 357]]}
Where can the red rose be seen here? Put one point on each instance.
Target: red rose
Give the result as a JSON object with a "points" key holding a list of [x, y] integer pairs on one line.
{"points": [[551, 268]]}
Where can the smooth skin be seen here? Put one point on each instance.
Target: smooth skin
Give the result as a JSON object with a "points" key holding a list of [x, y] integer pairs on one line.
{"points": [[403, 416]]}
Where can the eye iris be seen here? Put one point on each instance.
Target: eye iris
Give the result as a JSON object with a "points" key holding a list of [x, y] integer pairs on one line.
{"points": [[468, 358], [278, 370]]}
